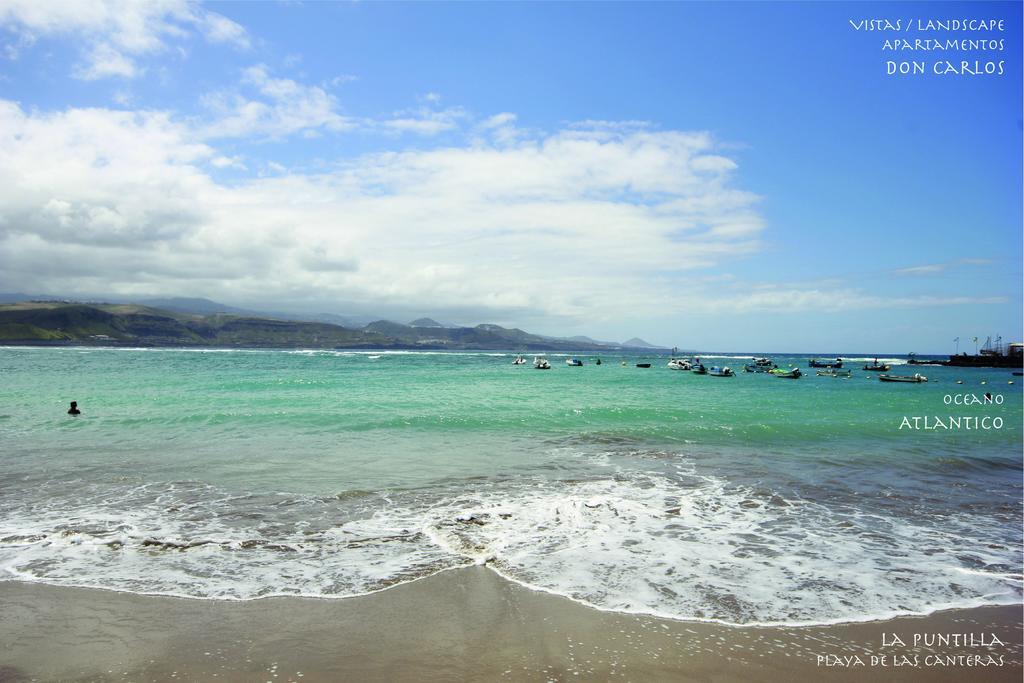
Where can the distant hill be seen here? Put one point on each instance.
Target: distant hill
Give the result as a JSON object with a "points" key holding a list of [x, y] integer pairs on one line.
{"points": [[486, 336], [131, 324], [638, 343], [355, 322], [33, 322], [194, 305], [588, 340], [425, 322], [208, 307]]}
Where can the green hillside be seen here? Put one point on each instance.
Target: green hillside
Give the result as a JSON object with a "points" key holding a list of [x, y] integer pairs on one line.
{"points": [[134, 325]]}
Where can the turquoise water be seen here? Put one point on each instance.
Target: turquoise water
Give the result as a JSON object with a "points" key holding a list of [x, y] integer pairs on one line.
{"points": [[752, 499]]}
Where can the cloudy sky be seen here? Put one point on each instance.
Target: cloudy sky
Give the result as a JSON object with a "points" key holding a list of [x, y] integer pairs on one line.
{"points": [[735, 177]]}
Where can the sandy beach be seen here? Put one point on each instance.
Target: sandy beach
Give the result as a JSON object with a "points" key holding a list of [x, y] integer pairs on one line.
{"points": [[464, 625]]}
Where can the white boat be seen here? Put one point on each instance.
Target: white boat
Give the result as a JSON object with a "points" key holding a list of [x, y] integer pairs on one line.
{"points": [[541, 363], [916, 377], [519, 361], [832, 372], [679, 364], [573, 362]]}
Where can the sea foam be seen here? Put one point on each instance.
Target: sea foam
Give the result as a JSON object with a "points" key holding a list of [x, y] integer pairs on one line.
{"points": [[681, 545]]}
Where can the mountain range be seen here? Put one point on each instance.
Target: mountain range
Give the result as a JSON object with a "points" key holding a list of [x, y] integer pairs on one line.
{"points": [[201, 322]]}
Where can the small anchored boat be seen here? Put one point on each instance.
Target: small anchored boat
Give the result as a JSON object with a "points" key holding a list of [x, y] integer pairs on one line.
{"points": [[915, 378], [793, 373], [643, 365], [752, 367], [519, 361], [832, 372], [698, 369], [679, 364], [716, 371], [815, 363], [541, 363], [573, 362], [878, 367]]}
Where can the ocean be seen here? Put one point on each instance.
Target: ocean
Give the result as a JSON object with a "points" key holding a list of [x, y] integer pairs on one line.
{"points": [[241, 474]]}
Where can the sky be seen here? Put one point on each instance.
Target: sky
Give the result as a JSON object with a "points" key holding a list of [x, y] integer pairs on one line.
{"points": [[729, 176]]}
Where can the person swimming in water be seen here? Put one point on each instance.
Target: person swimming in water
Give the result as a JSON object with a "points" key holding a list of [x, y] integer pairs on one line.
{"points": [[73, 410]]}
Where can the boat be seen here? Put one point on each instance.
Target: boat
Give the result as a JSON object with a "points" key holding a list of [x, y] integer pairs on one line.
{"points": [[878, 367], [815, 363], [679, 364], [912, 359], [698, 369], [643, 365], [541, 363], [764, 362], [1018, 374], [793, 373], [916, 377], [832, 372], [715, 371], [573, 362], [752, 367], [597, 362], [519, 361]]}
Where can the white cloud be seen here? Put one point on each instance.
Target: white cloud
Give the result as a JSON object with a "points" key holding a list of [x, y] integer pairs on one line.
{"points": [[99, 178], [283, 107], [930, 269], [425, 121], [113, 35], [936, 268], [499, 120], [560, 224], [104, 62], [791, 300], [228, 162], [342, 79], [579, 225], [219, 29]]}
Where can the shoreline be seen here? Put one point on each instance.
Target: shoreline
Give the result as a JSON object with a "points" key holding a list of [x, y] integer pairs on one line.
{"points": [[858, 357], [465, 624], [880, 619]]}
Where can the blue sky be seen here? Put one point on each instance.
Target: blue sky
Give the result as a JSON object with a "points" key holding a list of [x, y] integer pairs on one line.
{"points": [[716, 176]]}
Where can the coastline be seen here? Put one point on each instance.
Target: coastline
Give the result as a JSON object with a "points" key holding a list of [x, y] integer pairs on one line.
{"points": [[464, 624]]}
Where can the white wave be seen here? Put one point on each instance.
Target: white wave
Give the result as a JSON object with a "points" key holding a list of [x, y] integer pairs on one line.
{"points": [[888, 361], [303, 352], [686, 547], [148, 551], [718, 553]]}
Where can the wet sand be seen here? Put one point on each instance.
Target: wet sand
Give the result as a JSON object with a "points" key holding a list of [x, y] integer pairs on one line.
{"points": [[461, 625]]}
